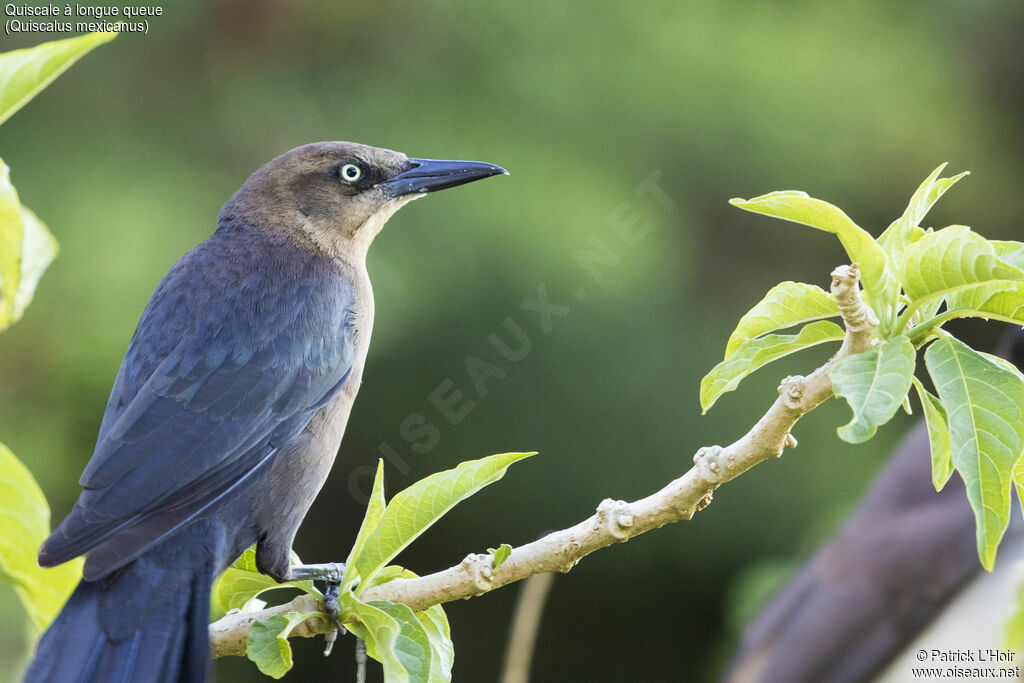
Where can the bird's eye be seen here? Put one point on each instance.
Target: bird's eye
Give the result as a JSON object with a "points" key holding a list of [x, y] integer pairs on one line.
{"points": [[350, 173]]}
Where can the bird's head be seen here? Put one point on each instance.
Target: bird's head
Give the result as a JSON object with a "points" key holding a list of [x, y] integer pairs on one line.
{"points": [[337, 196]]}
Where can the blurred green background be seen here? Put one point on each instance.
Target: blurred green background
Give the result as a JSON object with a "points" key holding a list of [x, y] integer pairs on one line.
{"points": [[129, 156]]}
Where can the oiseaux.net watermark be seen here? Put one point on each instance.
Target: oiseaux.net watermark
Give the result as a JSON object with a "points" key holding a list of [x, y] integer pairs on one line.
{"points": [[984, 663]]}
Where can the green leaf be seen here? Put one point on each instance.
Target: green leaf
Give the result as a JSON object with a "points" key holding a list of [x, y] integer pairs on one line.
{"points": [[389, 573], [412, 647], [938, 436], [38, 249], [1009, 251], [25, 520], [950, 260], [23, 73], [380, 631], [1002, 301], [243, 581], [268, 645], [786, 304], [371, 520], [11, 238], [983, 402], [904, 230], [798, 207], [435, 625], [499, 554], [416, 508], [874, 383], [755, 353], [26, 249]]}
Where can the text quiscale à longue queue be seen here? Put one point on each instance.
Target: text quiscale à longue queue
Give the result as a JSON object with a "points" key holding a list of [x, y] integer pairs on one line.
{"points": [[26, 18], [75, 10]]}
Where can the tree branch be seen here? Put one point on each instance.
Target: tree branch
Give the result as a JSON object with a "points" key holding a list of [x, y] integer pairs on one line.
{"points": [[615, 521]]}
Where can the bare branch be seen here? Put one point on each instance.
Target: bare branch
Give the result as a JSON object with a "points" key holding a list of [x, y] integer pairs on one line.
{"points": [[615, 521]]}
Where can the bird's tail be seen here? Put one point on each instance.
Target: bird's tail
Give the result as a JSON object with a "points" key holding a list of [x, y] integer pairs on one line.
{"points": [[146, 624]]}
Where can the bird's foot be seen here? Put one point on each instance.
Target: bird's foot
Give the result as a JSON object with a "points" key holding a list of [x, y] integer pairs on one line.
{"points": [[331, 574], [331, 604]]}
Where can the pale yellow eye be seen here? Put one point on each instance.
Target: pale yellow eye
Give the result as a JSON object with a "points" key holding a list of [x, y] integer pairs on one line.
{"points": [[350, 173]]}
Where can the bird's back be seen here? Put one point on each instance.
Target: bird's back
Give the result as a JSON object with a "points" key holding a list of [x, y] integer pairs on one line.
{"points": [[244, 340]]}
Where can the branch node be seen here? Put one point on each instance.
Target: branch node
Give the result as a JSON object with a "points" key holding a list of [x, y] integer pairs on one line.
{"points": [[708, 461], [616, 517], [791, 389], [856, 314], [478, 567]]}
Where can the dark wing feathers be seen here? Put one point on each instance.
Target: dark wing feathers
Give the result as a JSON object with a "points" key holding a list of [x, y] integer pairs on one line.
{"points": [[241, 343]]}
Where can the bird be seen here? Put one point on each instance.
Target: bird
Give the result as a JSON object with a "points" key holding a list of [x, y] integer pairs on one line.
{"points": [[873, 598], [228, 411]]}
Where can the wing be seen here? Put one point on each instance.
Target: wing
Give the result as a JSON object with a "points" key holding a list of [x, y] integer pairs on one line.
{"points": [[243, 341]]}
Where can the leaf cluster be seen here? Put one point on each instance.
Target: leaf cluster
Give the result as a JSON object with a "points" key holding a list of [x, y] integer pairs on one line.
{"points": [[413, 647], [915, 279]]}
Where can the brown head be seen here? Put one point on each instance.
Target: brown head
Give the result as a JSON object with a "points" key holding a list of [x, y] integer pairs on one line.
{"points": [[336, 196]]}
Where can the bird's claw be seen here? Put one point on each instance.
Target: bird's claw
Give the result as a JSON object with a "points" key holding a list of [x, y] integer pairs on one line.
{"points": [[331, 605], [331, 574]]}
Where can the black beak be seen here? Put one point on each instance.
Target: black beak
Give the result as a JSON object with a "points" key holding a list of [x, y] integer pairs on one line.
{"points": [[430, 175]]}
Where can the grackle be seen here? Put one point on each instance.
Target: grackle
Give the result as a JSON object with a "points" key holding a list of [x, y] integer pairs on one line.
{"points": [[228, 411]]}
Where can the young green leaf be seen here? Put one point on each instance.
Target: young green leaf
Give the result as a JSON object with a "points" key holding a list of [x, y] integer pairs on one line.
{"points": [[786, 304], [38, 249], [1002, 301], [435, 625], [268, 645], [381, 631], [874, 383], [755, 353], [25, 520], [1010, 251], [371, 520], [798, 207], [904, 230], [243, 581], [938, 436], [414, 510], [950, 260], [995, 300], [499, 555], [983, 402], [23, 73], [11, 237], [412, 647]]}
